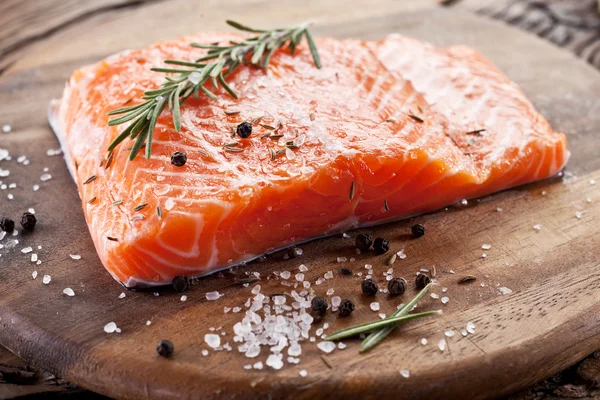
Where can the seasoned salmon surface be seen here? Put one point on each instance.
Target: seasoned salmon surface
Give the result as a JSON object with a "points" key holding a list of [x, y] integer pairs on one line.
{"points": [[383, 130]]}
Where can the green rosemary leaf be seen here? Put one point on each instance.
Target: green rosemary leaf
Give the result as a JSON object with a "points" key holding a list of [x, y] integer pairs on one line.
{"points": [[313, 48], [231, 69], [380, 323], [138, 144], [267, 58], [172, 70], [122, 136], [159, 107], [176, 111], [185, 63], [227, 87], [131, 115], [208, 93], [241, 27], [374, 338], [139, 126], [160, 91], [214, 82], [127, 109], [258, 53]]}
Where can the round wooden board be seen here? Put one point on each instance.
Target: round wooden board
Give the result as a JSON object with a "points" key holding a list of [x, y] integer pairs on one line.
{"points": [[549, 321]]}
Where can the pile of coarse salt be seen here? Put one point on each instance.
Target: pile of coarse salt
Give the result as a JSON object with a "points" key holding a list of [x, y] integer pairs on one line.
{"points": [[279, 323]]}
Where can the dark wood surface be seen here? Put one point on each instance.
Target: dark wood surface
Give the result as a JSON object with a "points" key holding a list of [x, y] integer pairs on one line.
{"points": [[555, 277]]}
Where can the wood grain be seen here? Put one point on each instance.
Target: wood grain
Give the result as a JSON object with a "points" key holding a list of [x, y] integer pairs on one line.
{"points": [[546, 324]]}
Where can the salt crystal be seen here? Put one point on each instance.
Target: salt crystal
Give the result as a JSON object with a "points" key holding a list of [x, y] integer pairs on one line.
{"points": [[295, 350], [588, 199], [45, 177], [345, 235], [299, 277], [464, 202], [382, 315], [275, 361], [194, 77], [368, 266], [592, 181], [505, 290], [463, 332], [36, 188], [578, 214], [26, 250], [183, 298], [374, 306], [279, 300], [236, 309], [442, 345], [75, 256], [69, 292], [34, 274], [4, 173], [38, 262], [405, 373], [326, 346], [336, 301], [302, 373], [213, 340], [6, 128], [424, 341], [248, 366], [258, 365], [34, 257], [471, 327], [330, 291], [328, 275], [289, 154], [486, 246], [285, 275], [10, 196], [252, 351], [302, 268], [401, 254], [499, 209], [484, 255], [342, 259], [445, 300], [255, 289], [111, 327], [169, 204], [46, 279], [537, 227], [213, 295], [148, 323], [299, 251], [449, 333], [122, 295]]}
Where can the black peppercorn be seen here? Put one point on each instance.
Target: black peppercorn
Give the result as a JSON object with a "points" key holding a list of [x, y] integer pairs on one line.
{"points": [[346, 308], [244, 130], [418, 230], [180, 283], [364, 242], [28, 221], [178, 159], [7, 224], [421, 281], [346, 271], [369, 287], [319, 305], [397, 286], [381, 245], [165, 348]]}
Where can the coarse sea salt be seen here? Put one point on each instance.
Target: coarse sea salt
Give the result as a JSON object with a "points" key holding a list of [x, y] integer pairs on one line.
{"points": [[183, 298], [405, 373], [122, 295], [6, 128], [212, 340], [537, 227], [375, 306], [486, 246], [424, 341], [46, 279], [213, 295], [69, 292], [326, 346], [26, 250], [504, 290], [578, 214], [303, 373], [45, 177], [470, 328], [34, 257], [445, 300], [442, 345], [75, 256], [111, 327], [285, 274]]}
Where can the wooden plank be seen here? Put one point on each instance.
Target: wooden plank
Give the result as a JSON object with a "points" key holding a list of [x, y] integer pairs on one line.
{"points": [[553, 274]]}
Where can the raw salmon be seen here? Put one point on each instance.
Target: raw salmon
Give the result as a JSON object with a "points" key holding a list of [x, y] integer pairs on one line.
{"points": [[384, 130]]}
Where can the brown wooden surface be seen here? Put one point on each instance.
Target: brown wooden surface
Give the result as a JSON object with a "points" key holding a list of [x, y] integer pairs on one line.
{"points": [[545, 325]]}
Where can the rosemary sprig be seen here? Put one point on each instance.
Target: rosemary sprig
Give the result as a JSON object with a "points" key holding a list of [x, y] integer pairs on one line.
{"points": [[380, 323], [374, 338], [193, 78]]}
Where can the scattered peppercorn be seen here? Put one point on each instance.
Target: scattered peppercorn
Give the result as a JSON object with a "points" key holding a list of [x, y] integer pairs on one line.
{"points": [[369, 287], [397, 286], [381, 245], [346, 308], [364, 242], [346, 271], [7, 224], [244, 130], [178, 159], [418, 230], [28, 221], [421, 281], [180, 283], [165, 348], [319, 305]]}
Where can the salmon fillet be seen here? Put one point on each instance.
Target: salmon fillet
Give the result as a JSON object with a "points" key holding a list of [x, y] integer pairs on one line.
{"points": [[383, 132]]}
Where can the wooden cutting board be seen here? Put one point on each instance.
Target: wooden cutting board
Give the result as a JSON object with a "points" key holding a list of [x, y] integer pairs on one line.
{"points": [[548, 321]]}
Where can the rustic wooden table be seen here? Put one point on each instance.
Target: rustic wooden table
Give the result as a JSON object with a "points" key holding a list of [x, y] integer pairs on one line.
{"points": [[572, 24]]}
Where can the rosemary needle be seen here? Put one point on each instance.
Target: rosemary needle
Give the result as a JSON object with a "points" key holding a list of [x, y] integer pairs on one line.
{"points": [[380, 323], [374, 338], [193, 77]]}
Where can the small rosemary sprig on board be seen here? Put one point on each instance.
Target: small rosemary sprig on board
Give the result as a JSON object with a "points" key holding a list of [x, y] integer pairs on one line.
{"points": [[193, 77]]}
